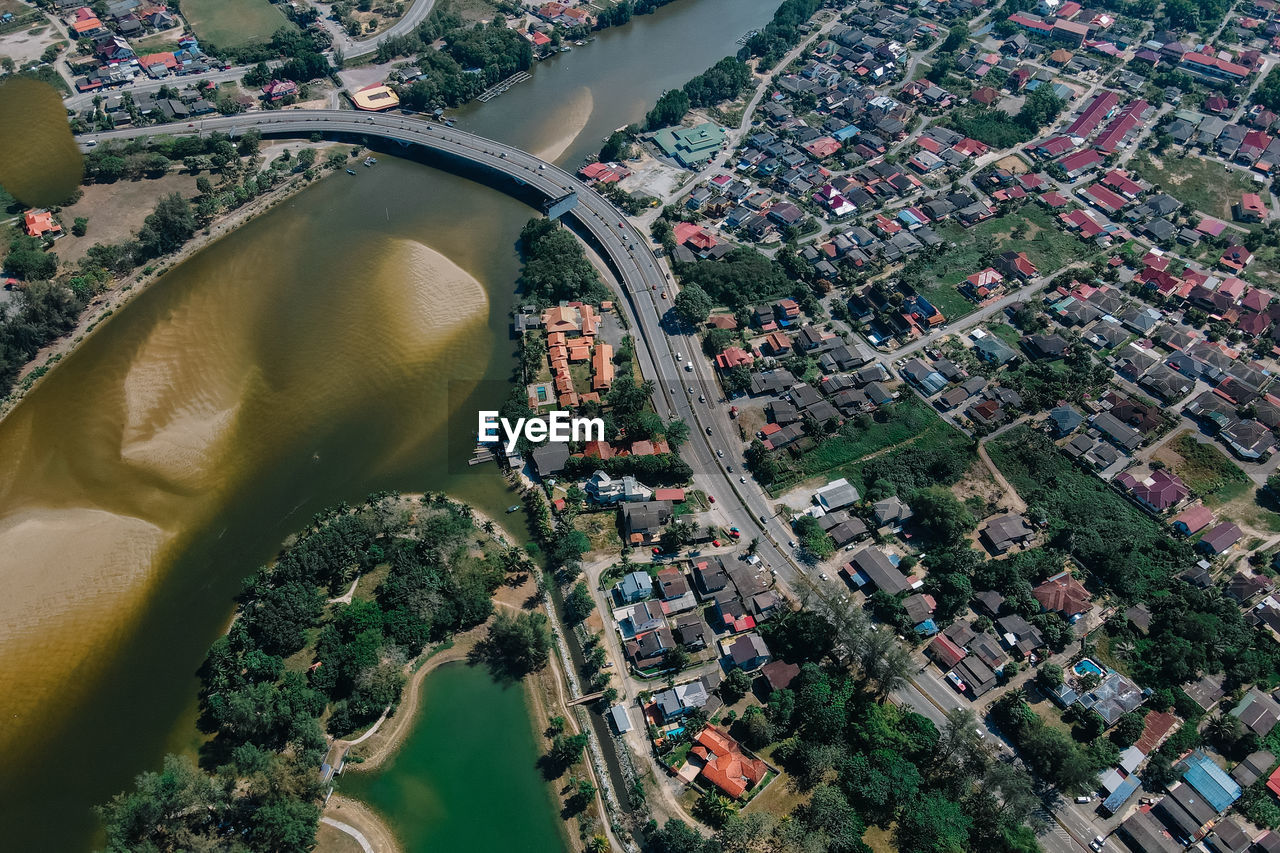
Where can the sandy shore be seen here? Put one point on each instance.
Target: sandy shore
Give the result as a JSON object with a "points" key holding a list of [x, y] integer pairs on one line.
{"points": [[124, 289]]}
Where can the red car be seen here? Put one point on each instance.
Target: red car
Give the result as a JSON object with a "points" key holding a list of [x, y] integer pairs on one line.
{"points": [[715, 542], [711, 499], [657, 550]]}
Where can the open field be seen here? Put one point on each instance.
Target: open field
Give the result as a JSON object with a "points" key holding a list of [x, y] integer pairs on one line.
{"points": [[1207, 471], [233, 23], [908, 420], [1202, 184], [1048, 248], [115, 211]]}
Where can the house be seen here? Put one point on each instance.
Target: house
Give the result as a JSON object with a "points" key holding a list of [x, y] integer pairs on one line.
{"points": [[978, 678], [836, 495], [1016, 265], [675, 702], [1250, 208], [691, 632], [643, 521], [619, 718], [992, 350], [648, 650], [636, 586], [1257, 712], [279, 89], [1184, 812], [40, 223], [1064, 420], [640, 619], [1005, 531], [779, 674], [550, 458], [725, 765], [1192, 520], [1063, 594], [1210, 781], [1145, 834], [1117, 431], [871, 569], [1160, 491], [1254, 767], [945, 651], [1045, 346], [1219, 539], [891, 512], [1019, 635], [749, 652]]}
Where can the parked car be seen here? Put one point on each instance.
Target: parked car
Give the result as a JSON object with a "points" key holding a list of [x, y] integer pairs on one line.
{"points": [[956, 682]]}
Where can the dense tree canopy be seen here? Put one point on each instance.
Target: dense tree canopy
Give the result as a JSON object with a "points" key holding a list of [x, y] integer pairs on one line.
{"points": [[555, 267]]}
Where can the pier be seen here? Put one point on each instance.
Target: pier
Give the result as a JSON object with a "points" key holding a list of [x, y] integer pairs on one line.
{"points": [[498, 88]]}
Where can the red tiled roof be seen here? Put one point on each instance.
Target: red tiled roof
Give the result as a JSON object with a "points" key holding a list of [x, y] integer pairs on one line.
{"points": [[1064, 594]]}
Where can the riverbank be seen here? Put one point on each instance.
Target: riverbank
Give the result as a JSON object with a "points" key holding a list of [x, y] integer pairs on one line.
{"points": [[124, 289]]}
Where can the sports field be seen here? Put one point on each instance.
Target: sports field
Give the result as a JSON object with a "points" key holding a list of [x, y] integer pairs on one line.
{"points": [[233, 23]]}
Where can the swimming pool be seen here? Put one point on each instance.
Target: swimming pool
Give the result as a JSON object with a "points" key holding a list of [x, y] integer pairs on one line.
{"points": [[1087, 665]]}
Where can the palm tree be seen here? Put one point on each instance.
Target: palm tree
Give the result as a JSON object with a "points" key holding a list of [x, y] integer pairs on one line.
{"points": [[1016, 696], [599, 844], [1219, 728]]}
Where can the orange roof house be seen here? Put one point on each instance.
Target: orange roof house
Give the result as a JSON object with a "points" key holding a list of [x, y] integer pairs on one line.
{"points": [[581, 352], [86, 25], [734, 357], [725, 765], [562, 318], [38, 223], [1064, 594], [167, 59], [602, 367]]}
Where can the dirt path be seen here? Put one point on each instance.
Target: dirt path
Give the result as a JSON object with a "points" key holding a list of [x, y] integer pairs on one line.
{"points": [[374, 835], [1016, 503]]}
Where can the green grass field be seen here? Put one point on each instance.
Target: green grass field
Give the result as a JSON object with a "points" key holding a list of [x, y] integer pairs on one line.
{"points": [[1048, 247], [1208, 472], [233, 23], [1202, 184]]}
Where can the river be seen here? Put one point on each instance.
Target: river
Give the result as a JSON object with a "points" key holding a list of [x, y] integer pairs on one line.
{"points": [[317, 354]]}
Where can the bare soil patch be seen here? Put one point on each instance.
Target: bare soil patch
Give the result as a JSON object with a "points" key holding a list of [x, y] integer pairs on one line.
{"points": [[116, 211]]}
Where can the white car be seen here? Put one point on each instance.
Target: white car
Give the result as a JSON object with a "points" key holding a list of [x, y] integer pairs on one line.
{"points": [[1084, 799], [824, 577], [791, 543], [742, 480], [720, 453], [679, 357]]}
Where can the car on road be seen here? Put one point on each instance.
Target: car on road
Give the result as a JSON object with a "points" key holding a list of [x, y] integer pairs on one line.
{"points": [[823, 577], [734, 532], [1097, 843], [542, 167], [688, 365], [791, 543], [729, 468], [664, 294], [711, 498], [679, 357], [744, 480], [720, 453], [708, 430], [956, 682], [702, 398], [715, 543], [1084, 798]]}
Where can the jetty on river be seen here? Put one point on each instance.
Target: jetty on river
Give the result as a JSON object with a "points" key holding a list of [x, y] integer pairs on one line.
{"points": [[498, 88]]}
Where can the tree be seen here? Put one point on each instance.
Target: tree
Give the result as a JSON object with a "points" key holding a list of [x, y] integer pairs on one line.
{"points": [[616, 147], [80, 226], [735, 686], [566, 750], [675, 659], [676, 432], [934, 824], [692, 304], [179, 802], [579, 603], [168, 228], [670, 109], [942, 516], [519, 644], [1128, 729], [1050, 676]]}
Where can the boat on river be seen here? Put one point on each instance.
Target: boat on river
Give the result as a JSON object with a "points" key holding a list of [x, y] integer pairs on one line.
{"points": [[513, 508], [351, 171], [371, 161]]}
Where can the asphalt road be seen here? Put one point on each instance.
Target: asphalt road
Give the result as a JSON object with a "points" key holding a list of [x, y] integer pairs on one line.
{"points": [[416, 14], [692, 395]]}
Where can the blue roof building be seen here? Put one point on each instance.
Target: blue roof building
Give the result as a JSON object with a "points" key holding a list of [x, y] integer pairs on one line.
{"points": [[1121, 795], [636, 586], [1210, 781]]}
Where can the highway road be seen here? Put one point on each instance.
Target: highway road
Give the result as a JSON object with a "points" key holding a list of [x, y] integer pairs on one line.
{"points": [[414, 15], [663, 348]]}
